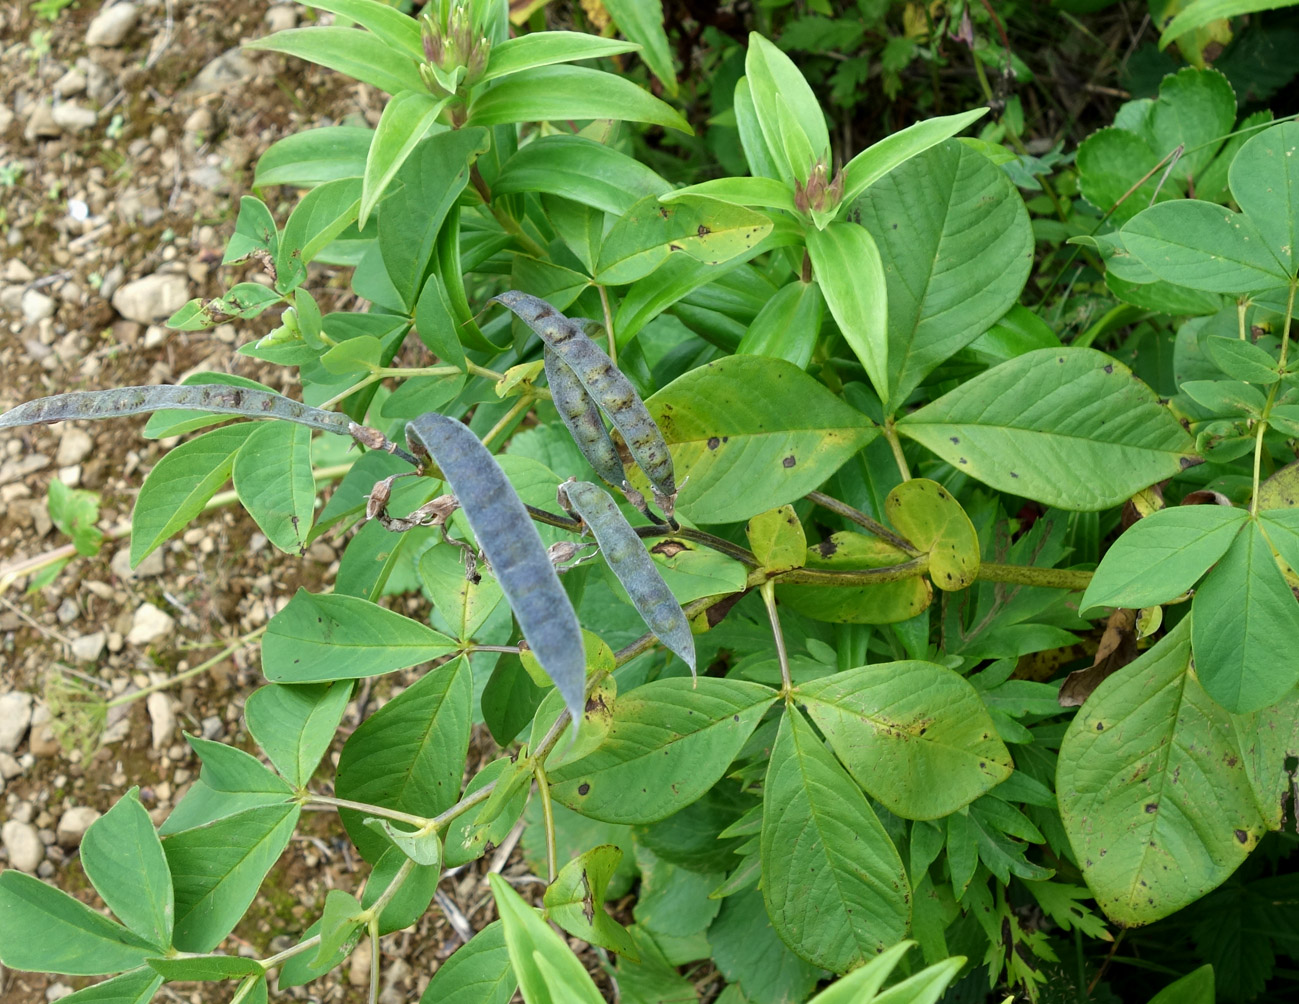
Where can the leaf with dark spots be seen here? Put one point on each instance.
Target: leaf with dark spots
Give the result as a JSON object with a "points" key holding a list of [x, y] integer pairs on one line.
{"points": [[788, 461]]}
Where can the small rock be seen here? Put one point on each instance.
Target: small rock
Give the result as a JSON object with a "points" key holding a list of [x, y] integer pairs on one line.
{"points": [[281, 17], [23, 844], [212, 727], [100, 84], [68, 610], [199, 122], [71, 83], [9, 766], [43, 742], [154, 335], [230, 68], [74, 823], [112, 280], [57, 991], [74, 446], [112, 25], [149, 624], [15, 716], [40, 123], [153, 298], [15, 271], [73, 117], [89, 647], [151, 566], [162, 718], [37, 306]]}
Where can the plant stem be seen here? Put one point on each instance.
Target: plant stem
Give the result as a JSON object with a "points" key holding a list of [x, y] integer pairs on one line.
{"points": [[520, 406], [768, 590], [508, 223], [917, 566], [1271, 396], [373, 810], [861, 519], [270, 962], [608, 325], [181, 677], [1027, 575], [374, 950], [548, 818], [374, 376], [895, 444]]}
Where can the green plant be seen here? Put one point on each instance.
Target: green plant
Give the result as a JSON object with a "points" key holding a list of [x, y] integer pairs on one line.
{"points": [[822, 379]]}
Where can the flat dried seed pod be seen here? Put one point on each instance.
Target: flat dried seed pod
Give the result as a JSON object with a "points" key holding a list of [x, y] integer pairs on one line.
{"points": [[605, 383], [629, 560], [513, 549]]}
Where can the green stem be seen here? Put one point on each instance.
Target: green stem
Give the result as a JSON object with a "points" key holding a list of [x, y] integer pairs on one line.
{"points": [[1027, 575], [895, 444], [274, 960], [366, 807], [374, 949], [372, 377], [520, 406], [917, 566], [1271, 397], [608, 325], [508, 223], [870, 525], [548, 818], [181, 677], [768, 590]]}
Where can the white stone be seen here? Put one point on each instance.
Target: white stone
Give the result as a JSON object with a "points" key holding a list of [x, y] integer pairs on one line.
{"points": [[230, 68], [37, 306], [153, 298], [74, 823], [73, 117], [112, 24], [15, 716], [74, 446], [15, 271], [149, 624], [23, 844], [120, 566], [72, 82], [162, 718], [9, 766], [68, 611], [281, 17], [57, 991], [89, 647]]}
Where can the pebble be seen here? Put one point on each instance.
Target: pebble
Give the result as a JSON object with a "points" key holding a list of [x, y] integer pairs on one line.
{"points": [[89, 647], [68, 610], [153, 298], [40, 123], [74, 446], [15, 716], [152, 565], [23, 844], [9, 766], [230, 68], [162, 718], [73, 825], [37, 306], [112, 281], [149, 624], [71, 83], [43, 742], [281, 17], [112, 24], [212, 728], [15, 271], [57, 991], [73, 117]]}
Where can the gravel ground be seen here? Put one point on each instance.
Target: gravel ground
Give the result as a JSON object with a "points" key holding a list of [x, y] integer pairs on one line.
{"points": [[127, 135]]}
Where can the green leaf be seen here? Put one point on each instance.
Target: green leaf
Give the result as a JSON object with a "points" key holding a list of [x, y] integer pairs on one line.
{"points": [[863, 983], [413, 896], [1068, 427], [254, 231], [832, 880], [44, 930], [464, 604], [956, 238], [707, 230], [428, 184], [1240, 610], [467, 839], [570, 92], [788, 113], [751, 433], [423, 846], [230, 782], [245, 299], [748, 952], [893, 151], [404, 122], [410, 754], [763, 193], [1150, 774], [136, 987], [217, 868], [545, 48], [272, 475], [642, 22], [123, 859], [75, 511], [357, 54], [1196, 987], [926, 986], [1268, 740], [478, 972], [339, 925], [530, 941], [399, 31], [180, 484], [847, 265], [575, 901], [295, 725], [927, 515], [325, 637], [788, 326], [914, 735], [885, 603], [1264, 180], [314, 156], [582, 170], [1199, 244], [669, 743], [1199, 13], [324, 213], [206, 968], [1242, 360], [1162, 556], [777, 540]]}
